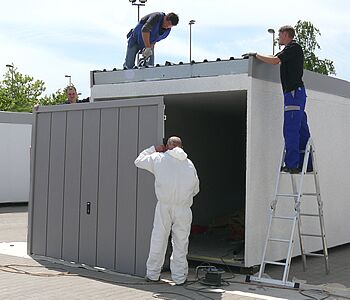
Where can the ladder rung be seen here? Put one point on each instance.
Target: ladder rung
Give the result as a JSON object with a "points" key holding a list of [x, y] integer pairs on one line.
{"points": [[279, 240], [283, 217], [307, 173], [309, 215], [287, 195], [314, 254], [312, 235], [310, 194], [274, 263], [273, 281]]}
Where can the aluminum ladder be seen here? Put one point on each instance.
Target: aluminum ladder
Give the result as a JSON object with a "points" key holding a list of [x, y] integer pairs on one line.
{"points": [[297, 195]]}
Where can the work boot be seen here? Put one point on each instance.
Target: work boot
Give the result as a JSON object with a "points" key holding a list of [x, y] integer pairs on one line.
{"points": [[290, 170], [308, 169], [151, 280]]}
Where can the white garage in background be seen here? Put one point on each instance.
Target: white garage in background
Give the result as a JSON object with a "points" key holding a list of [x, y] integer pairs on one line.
{"points": [[15, 136]]}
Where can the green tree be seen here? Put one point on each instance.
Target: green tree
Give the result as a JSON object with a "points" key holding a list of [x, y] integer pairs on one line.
{"points": [[306, 36], [20, 92], [58, 97]]}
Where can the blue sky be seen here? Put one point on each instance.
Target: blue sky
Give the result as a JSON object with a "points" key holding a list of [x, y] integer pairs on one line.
{"points": [[49, 39]]}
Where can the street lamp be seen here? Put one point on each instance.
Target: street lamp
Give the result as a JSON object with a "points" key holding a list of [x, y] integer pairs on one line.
{"points": [[272, 31], [140, 3], [11, 67], [69, 80], [191, 22]]}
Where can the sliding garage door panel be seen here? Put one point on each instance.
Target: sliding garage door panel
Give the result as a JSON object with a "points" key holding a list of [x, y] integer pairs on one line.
{"points": [[56, 184], [89, 186], [126, 193], [71, 215], [107, 193], [40, 181], [148, 126]]}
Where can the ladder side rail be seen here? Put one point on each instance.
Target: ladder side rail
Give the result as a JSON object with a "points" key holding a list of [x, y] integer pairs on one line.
{"points": [[320, 205], [262, 265], [301, 242], [289, 253], [272, 213]]}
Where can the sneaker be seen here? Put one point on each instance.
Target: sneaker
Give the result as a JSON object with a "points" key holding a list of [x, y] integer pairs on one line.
{"points": [[290, 170], [151, 280]]}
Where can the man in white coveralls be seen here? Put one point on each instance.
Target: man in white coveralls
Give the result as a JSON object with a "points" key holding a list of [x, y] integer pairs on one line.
{"points": [[176, 183]]}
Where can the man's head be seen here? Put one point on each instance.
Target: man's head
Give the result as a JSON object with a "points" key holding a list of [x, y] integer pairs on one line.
{"points": [[285, 34], [173, 142], [72, 95], [170, 20]]}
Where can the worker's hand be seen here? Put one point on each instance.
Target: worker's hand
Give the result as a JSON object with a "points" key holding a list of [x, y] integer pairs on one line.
{"points": [[246, 55], [160, 148], [147, 52]]}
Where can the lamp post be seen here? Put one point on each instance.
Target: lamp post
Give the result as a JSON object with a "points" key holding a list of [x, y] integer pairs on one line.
{"points": [[191, 22], [140, 3], [11, 69], [272, 31], [69, 80]]}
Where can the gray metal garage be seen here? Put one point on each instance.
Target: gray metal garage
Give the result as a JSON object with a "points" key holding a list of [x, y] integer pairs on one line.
{"points": [[229, 114]]}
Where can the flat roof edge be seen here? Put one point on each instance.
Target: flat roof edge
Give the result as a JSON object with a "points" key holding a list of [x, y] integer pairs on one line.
{"points": [[16, 117], [312, 80], [181, 71]]}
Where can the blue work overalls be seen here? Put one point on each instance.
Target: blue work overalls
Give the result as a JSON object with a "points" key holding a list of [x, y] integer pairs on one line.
{"points": [[295, 128]]}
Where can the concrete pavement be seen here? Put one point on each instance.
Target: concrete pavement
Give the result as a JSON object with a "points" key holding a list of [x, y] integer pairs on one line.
{"points": [[22, 277]]}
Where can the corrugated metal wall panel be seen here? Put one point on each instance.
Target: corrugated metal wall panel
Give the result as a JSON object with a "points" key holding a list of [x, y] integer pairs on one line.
{"points": [[71, 215], [89, 203], [41, 182]]}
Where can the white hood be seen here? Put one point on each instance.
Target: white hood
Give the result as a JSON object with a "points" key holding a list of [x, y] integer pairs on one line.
{"points": [[176, 180], [178, 153]]}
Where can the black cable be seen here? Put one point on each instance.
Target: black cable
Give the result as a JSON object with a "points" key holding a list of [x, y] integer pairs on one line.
{"points": [[319, 292], [158, 295], [199, 291], [226, 265], [13, 268]]}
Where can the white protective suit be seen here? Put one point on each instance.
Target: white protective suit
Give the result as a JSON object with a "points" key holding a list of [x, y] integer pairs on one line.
{"points": [[176, 183]]}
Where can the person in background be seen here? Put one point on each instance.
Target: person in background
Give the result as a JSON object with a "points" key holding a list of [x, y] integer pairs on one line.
{"points": [[72, 96]]}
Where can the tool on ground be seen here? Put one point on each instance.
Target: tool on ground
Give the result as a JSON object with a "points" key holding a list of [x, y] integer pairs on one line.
{"points": [[212, 275]]}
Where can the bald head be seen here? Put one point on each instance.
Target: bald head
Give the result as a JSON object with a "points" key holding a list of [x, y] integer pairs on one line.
{"points": [[173, 142]]}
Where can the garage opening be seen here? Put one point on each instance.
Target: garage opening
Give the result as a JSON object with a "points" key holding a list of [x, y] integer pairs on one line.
{"points": [[213, 129]]}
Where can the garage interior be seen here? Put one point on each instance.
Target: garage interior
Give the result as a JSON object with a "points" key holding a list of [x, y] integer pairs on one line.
{"points": [[213, 129]]}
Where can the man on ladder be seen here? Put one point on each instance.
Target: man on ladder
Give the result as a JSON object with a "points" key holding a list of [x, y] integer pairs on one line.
{"points": [[298, 157], [295, 128]]}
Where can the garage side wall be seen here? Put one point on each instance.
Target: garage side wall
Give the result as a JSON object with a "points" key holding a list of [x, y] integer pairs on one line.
{"points": [[329, 120]]}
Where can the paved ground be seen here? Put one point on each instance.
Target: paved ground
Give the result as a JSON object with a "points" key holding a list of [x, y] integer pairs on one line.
{"points": [[22, 277]]}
